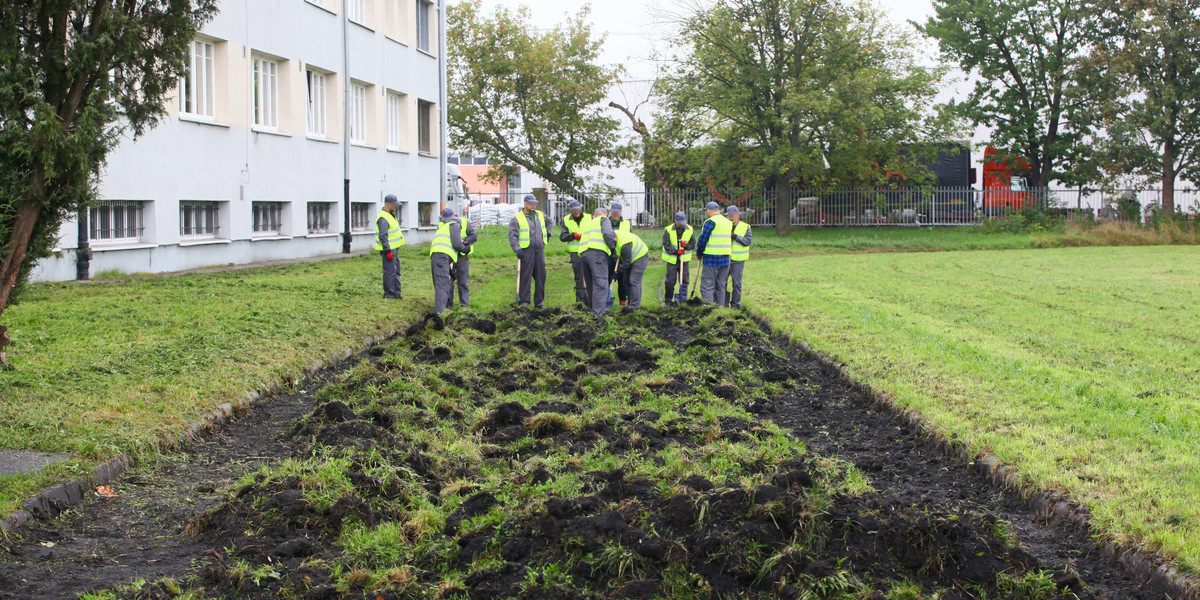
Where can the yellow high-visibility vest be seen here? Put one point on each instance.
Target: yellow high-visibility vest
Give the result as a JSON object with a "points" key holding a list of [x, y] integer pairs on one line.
{"points": [[740, 253], [624, 238], [720, 241], [576, 246], [595, 235], [395, 235], [523, 223], [441, 242], [675, 239]]}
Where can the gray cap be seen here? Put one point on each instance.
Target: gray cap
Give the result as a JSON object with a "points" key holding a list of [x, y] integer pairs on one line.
{"points": [[575, 204], [531, 198], [390, 199], [447, 212], [601, 210], [681, 218], [712, 206], [732, 209], [615, 206]]}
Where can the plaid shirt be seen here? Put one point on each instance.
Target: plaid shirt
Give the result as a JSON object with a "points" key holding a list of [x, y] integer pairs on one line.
{"points": [[702, 242]]}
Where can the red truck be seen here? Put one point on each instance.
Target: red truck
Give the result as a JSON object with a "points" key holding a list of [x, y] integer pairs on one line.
{"points": [[1005, 183]]}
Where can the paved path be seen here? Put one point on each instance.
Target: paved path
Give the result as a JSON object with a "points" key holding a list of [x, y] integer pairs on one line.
{"points": [[16, 462]]}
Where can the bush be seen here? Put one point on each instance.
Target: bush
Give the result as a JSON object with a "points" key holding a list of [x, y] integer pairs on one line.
{"points": [[1028, 220]]}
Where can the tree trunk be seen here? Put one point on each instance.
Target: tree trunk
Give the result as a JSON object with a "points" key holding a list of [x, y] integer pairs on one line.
{"points": [[783, 205], [10, 269], [1168, 177]]}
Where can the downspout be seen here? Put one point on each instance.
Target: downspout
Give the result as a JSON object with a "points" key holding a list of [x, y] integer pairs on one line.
{"points": [[83, 254], [346, 127], [442, 109]]}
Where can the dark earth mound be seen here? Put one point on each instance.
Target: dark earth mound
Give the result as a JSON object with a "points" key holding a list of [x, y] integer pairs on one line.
{"points": [[343, 494]]}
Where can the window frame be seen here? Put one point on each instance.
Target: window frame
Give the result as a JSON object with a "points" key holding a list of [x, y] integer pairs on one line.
{"points": [[265, 92], [356, 11], [274, 214], [424, 25], [396, 113], [360, 223], [327, 209], [211, 228], [425, 114], [358, 113], [196, 100], [105, 212], [317, 112]]}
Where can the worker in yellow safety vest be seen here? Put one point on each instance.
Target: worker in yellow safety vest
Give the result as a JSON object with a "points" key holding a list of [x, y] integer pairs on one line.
{"points": [[574, 226], [528, 235], [444, 252], [714, 248], [600, 242], [388, 238], [619, 223], [741, 237], [632, 257], [676, 244]]}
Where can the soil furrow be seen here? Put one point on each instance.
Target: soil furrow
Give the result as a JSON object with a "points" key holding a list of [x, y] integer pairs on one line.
{"points": [[542, 454]]}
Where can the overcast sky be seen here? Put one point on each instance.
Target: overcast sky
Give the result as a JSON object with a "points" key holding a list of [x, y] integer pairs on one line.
{"points": [[636, 28]]}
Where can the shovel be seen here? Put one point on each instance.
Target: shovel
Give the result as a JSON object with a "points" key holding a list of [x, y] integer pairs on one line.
{"points": [[680, 293], [517, 301]]}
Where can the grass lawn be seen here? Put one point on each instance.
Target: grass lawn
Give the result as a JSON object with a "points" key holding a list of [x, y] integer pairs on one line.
{"points": [[1080, 366], [117, 366]]}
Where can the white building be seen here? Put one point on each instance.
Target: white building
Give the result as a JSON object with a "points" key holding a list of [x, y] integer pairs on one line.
{"points": [[250, 164]]}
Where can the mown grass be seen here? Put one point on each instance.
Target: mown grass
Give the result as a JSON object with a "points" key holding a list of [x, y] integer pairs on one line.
{"points": [[1080, 366], [114, 367]]}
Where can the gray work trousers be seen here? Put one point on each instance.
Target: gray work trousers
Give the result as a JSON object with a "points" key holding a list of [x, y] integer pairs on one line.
{"points": [[462, 280], [391, 277], [597, 264], [533, 271], [632, 277], [579, 267], [712, 284], [673, 279], [735, 275], [442, 286]]}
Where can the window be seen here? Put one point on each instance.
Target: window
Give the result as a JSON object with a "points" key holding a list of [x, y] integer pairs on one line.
{"points": [[360, 216], [196, 88], [425, 214], [266, 93], [268, 218], [199, 219], [318, 217], [452, 160], [425, 127], [116, 221], [423, 10], [358, 113], [482, 160], [316, 103], [357, 10], [395, 120]]}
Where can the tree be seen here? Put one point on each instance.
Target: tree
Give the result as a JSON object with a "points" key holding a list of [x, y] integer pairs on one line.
{"points": [[1027, 59], [1149, 52], [75, 76], [792, 84], [528, 98]]}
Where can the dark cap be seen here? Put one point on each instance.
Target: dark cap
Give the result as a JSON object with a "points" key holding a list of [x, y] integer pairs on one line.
{"points": [[530, 198], [712, 206], [390, 199], [615, 206], [732, 209], [681, 218], [575, 205], [447, 212]]}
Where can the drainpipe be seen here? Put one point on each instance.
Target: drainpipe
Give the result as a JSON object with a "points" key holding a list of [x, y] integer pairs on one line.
{"points": [[442, 109], [83, 254], [346, 128]]}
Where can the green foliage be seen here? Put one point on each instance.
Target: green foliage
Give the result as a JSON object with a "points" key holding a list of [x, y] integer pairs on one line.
{"points": [[1027, 220], [1147, 57], [1027, 59], [76, 76], [1034, 585], [529, 98], [767, 90]]}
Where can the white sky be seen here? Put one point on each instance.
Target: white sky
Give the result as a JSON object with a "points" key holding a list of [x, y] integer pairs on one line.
{"points": [[636, 28]]}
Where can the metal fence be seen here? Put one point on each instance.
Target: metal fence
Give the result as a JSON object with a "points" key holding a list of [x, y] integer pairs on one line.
{"points": [[849, 208]]}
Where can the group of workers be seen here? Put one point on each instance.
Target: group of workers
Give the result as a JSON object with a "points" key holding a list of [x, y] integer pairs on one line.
{"points": [[603, 250]]}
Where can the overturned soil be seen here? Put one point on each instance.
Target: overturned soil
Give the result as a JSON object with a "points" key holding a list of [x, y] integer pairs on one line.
{"points": [[680, 453]]}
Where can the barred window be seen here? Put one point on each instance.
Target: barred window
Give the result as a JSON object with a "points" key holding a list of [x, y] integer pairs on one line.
{"points": [[318, 217], [268, 217], [360, 216], [116, 220], [199, 219]]}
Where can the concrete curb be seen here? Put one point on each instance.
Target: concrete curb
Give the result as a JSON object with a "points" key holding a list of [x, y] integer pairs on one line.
{"points": [[1151, 569], [54, 500]]}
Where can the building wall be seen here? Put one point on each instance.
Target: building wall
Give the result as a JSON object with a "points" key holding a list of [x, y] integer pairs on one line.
{"points": [[229, 160]]}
